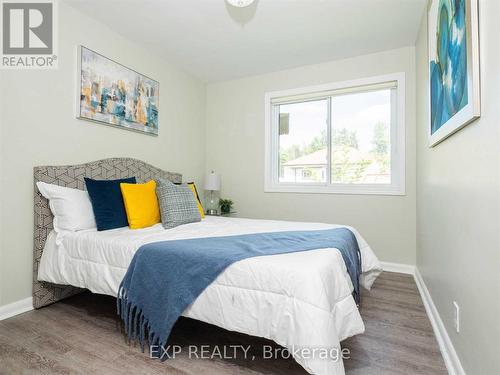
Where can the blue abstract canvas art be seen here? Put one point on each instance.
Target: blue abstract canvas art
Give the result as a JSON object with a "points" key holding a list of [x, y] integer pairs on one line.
{"points": [[116, 95], [453, 88], [448, 71]]}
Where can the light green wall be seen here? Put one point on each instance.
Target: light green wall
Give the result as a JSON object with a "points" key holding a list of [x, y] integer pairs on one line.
{"points": [[38, 127], [458, 209], [235, 149]]}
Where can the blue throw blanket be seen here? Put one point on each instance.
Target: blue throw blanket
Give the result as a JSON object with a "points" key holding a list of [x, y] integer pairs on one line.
{"points": [[164, 278]]}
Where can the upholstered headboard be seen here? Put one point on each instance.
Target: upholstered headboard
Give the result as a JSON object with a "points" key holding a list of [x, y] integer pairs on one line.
{"points": [[72, 176]]}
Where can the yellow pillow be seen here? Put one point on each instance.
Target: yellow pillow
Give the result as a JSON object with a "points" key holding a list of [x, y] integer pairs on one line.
{"points": [[192, 186], [141, 204]]}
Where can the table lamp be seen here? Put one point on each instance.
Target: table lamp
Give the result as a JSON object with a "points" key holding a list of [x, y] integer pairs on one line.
{"points": [[212, 183]]}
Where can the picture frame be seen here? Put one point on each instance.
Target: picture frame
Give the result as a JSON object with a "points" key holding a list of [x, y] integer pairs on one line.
{"points": [[113, 94], [454, 78]]}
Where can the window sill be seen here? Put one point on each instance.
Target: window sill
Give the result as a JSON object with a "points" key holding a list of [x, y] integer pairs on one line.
{"points": [[337, 189]]}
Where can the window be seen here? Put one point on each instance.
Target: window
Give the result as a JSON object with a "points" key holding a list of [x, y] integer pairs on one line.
{"points": [[338, 138]]}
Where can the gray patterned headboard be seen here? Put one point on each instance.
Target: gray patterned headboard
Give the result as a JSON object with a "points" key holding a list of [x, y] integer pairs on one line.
{"points": [[72, 176]]}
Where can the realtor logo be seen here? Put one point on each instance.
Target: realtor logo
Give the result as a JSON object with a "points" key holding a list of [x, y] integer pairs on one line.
{"points": [[28, 38]]}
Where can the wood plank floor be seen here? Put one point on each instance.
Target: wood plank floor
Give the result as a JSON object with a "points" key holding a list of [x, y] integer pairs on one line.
{"points": [[81, 336]]}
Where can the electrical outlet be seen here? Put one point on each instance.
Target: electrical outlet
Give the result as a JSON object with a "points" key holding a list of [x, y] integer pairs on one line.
{"points": [[456, 320]]}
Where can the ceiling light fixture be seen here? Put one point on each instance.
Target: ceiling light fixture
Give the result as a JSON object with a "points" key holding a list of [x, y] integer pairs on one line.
{"points": [[240, 3]]}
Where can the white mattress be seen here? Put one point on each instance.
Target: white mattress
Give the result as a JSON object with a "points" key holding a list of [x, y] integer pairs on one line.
{"points": [[299, 300]]}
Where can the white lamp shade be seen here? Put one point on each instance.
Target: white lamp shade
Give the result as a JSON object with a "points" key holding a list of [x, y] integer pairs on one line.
{"points": [[212, 182]]}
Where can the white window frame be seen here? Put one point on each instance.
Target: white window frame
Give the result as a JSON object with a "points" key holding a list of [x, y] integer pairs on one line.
{"points": [[397, 185]]}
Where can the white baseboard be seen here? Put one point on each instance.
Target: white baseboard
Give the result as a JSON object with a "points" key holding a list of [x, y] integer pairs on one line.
{"points": [[16, 308], [446, 347], [448, 352], [398, 267]]}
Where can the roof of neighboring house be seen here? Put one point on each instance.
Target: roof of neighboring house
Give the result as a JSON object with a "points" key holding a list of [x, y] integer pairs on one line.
{"points": [[316, 158], [320, 157]]}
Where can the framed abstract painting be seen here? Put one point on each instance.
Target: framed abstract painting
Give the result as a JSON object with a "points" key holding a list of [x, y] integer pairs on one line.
{"points": [[454, 87], [112, 94]]}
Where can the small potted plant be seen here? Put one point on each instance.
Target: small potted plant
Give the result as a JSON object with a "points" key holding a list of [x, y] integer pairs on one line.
{"points": [[225, 206]]}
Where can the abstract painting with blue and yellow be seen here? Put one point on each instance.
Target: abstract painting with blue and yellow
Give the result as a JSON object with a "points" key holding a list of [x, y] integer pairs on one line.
{"points": [[116, 95]]}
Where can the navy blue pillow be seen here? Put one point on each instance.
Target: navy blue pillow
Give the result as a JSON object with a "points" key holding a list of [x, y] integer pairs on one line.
{"points": [[107, 202]]}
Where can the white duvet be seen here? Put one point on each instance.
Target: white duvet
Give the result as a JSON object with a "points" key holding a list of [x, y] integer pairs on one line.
{"points": [[300, 300]]}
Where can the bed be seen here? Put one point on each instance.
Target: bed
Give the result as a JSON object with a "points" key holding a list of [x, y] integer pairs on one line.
{"points": [[299, 300]]}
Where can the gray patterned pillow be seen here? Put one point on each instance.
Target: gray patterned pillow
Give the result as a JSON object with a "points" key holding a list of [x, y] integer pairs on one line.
{"points": [[178, 204]]}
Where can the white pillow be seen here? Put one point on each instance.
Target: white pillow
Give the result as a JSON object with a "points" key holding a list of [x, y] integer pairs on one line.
{"points": [[71, 208]]}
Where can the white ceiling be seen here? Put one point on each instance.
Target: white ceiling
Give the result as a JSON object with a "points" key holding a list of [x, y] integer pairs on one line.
{"points": [[215, 41]]}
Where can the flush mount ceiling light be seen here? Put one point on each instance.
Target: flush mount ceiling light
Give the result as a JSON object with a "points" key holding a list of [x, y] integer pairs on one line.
{"points": [[240, 3]]}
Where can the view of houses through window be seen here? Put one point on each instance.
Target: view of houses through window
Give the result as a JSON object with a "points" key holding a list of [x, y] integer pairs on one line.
{"points": [[357, 126]]}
